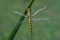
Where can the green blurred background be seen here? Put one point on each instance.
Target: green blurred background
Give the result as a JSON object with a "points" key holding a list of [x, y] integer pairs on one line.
{"points": [[42, 30]]}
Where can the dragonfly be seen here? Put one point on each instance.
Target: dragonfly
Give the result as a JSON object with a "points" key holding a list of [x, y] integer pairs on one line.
{"points": [[29, 17]]}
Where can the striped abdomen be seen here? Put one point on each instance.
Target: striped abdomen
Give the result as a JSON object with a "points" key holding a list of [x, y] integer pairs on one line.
{"points": [[29, 21]]}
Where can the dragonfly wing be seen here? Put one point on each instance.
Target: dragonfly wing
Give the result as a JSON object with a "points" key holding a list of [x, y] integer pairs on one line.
{"points": [[40, 19], [18, 13], [39, 11]]}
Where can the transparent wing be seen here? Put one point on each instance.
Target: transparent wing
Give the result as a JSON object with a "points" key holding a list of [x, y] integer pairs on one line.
{"points": [[41, 19], [18, 13], [36, 20], [39, 11]]}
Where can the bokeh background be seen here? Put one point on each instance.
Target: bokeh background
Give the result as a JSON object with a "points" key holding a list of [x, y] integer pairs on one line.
{"points": [[42, 30]]}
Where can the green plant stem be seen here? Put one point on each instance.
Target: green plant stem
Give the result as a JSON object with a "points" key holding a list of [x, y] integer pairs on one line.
{"points": [[14, 30]]}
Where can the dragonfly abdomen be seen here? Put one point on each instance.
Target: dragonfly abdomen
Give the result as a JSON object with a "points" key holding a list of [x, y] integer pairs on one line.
{"points": [[29, 21]]}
